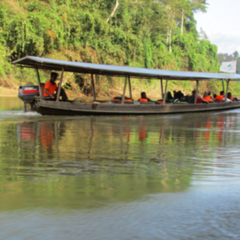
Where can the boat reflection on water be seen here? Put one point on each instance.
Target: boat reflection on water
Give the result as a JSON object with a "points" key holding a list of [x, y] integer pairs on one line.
{"points": [[84, 162], [46, 135], [26, 132]]}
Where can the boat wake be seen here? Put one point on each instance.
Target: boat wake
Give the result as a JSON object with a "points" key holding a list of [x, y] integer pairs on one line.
{"points": [[19, 113]]}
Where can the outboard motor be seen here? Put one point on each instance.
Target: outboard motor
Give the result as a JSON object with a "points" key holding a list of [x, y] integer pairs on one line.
{"points": [[28, 94]]}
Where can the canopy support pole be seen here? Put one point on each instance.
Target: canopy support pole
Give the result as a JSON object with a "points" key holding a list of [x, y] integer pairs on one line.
{"points": [[196, 94], [39, 83], [165, 94], [161, 83], [223, 85], [124, 90], [227, 89], [130, 87], [93, 88], [60, 86]]}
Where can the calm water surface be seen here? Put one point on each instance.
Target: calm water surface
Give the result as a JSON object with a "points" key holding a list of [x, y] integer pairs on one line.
{"points": [[154, 177]]}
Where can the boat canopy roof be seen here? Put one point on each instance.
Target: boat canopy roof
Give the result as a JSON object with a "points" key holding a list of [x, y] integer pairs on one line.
{"points": [[111, 70]]}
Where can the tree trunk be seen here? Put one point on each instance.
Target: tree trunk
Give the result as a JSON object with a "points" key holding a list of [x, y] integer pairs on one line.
{"points": [[182, 22], [114, 10], [170, 41], [169, 34]]}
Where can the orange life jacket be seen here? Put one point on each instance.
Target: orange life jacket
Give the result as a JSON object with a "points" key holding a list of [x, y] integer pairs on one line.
{"points": [[50, 87], [220, 98], [207, 98], [143, 100]]}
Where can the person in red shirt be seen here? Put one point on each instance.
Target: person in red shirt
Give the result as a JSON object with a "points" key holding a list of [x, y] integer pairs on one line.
{"points": [[50, 88]]}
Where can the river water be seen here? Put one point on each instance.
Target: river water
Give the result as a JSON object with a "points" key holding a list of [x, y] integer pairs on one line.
{"points": [[155, 177]]}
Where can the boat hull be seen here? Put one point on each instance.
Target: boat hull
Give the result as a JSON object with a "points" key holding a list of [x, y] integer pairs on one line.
{"points": [[75, 108]]}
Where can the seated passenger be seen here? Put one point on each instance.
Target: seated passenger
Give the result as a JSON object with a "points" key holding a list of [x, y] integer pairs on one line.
{"points": [[191, 99], [209, 94], [229, 96], [50, 87], [169, 97], [144, 98], [207, 97], [178, 95], [174, 94], [214, 96], [220, 97]]}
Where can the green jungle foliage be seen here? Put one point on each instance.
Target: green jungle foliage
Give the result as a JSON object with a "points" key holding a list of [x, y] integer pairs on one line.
{"points": [[140, 33]]}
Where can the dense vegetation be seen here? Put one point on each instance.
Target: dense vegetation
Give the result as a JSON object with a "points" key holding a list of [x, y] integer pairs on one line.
{"points": [[141, 33]]}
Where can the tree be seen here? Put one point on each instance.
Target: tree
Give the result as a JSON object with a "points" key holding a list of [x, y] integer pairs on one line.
{"points": [[114, 10], [202, 34], [236, 54]]}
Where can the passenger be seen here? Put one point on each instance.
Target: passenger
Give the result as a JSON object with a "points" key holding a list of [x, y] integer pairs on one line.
{"points": [[169, 97], [178, 95], [209, 94], [50, 87], [207, 97], [214, 96], [181, 95], [174, 94], [220, 97], [144, 98], [191, 99], [229, 96]]}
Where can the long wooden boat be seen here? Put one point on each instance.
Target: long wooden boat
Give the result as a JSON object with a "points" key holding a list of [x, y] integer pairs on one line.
{"points": [[57, 107]]}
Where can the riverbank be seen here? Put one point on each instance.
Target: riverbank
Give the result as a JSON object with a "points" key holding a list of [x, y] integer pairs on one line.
{"points": [[152, 92], [106, 90], [8, 92], [152, 89]]}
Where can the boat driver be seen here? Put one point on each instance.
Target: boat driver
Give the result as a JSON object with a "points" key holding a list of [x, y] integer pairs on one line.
{"points": [[50, 87]]}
